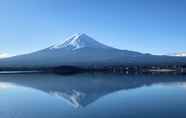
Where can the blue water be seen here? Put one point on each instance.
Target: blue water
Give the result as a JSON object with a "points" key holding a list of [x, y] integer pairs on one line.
{"points": [[92, 96]]}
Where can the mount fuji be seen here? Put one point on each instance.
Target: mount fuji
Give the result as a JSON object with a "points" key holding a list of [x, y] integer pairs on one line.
{"points": [[80, 50]]}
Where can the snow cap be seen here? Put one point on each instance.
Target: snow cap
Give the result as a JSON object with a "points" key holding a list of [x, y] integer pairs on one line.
{"points": [[79, 40]]}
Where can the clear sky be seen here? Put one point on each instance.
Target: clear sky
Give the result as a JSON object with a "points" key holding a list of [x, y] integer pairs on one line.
{"points": [[149, 26]]}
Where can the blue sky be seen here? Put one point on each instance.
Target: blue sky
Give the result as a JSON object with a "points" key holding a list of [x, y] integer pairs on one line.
{"points": [[149, 26]]}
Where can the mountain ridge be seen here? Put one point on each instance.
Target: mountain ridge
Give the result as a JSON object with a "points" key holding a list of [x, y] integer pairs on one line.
{"points": [[83, 51]]}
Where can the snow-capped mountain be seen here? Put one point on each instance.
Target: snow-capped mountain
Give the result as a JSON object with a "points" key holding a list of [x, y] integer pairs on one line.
{"points": [[83, 51], [78, 41]]}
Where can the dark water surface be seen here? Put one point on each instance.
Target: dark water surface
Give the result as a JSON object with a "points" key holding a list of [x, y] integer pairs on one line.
{"points": [[92, 96]]}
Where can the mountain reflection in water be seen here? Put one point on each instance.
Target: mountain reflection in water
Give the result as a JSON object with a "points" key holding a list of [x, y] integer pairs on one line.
{"points": [[92, 95], [83, 89]]}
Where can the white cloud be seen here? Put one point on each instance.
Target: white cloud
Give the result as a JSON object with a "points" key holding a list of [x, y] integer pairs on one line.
{"points": [[4, 86], [3, 55], [181, 54]]}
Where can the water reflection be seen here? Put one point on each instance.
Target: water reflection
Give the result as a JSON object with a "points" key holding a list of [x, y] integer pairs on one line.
{"points": [[4, 86], [83, 89]]}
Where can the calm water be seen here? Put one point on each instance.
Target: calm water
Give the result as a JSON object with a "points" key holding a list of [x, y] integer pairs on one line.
{"points": [[92, 96]]}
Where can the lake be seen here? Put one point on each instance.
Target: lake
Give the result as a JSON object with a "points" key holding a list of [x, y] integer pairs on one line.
{"points": [[92, 95]]}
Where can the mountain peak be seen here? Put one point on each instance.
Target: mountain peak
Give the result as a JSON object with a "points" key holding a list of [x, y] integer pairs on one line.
{"points": [[79, 40]]}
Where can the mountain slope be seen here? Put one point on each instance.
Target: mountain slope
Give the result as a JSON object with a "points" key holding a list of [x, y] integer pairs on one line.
{"points": [[83, 51]]}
